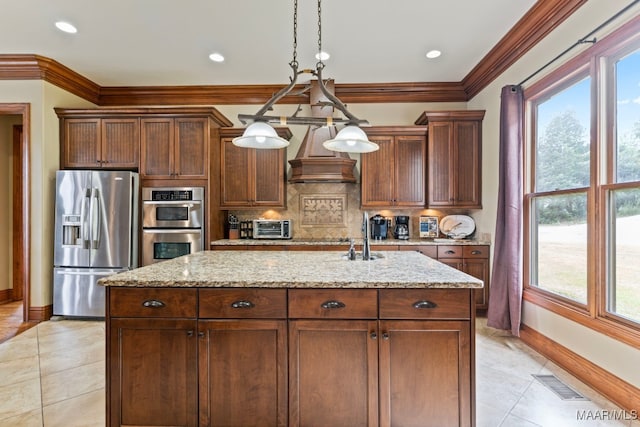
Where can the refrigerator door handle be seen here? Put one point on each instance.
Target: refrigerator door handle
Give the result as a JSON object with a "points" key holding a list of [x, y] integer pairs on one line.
{"points": [[86, 219], [95, 218]]}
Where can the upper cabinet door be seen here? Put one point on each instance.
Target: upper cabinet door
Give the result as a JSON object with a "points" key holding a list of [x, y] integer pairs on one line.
{"points": [[191, 148], [467, 159], [157, 148], [250, 177], [120, 143], [269, 182], [81, 143], [410, 154], [234, 175], [378, 172], [395, 174], [441, 155], [454, 158]]}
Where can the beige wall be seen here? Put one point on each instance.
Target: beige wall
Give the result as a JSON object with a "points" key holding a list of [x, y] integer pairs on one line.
{"points": [[6, 219], [44, 161], [615, 357]]}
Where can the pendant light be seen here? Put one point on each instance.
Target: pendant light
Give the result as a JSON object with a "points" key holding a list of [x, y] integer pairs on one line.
{"points": [[260, 134]]}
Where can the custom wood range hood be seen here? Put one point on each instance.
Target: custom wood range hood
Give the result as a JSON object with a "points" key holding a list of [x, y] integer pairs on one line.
{"points": [[313, 162]]}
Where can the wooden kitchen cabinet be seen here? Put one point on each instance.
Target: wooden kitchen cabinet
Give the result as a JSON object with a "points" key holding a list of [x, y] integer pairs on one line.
{"points": [[243, 357], [395, 174], [174, 148], [454, 158], [152, 348], [409, 367], [98, 143], [473, 260], [251, 177], [290, 357]]}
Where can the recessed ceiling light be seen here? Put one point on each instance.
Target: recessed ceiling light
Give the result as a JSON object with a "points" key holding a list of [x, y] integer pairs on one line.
{"points": [[216, 57], [322, 56], [433, 54], [66, 27]]}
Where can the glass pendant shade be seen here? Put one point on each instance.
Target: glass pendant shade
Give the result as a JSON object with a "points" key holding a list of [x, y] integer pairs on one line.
{"points": [[351, 139], [260, 135]]}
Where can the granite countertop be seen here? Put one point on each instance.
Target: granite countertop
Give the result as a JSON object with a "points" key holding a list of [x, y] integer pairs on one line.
{"points": [[295, 269], [344, 242]]}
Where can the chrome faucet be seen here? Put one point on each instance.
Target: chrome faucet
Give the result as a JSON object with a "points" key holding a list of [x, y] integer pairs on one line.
{"points": [[366, 249]]}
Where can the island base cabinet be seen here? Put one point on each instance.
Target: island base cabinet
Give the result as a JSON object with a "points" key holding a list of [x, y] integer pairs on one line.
{"points": [[243, 366], [151, 376], [333, 373], [425, 377]]}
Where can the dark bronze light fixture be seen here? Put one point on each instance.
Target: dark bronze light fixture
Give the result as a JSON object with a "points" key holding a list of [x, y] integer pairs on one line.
{"points": [[260, 134]]}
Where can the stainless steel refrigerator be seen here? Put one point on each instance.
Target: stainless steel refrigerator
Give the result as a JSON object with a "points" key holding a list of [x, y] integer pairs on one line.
{"points": [[96, 235]]}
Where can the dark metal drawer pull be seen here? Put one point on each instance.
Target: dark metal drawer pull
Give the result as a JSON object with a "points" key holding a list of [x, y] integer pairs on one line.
{"points": [[328, 305], [476, 252], [449, 252], [424, 304], [153, 303], [242, 304]]}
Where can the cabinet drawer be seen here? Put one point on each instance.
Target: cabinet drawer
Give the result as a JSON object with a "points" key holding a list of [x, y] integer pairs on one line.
{"points": [[430, 251], [425, 303], [152, 302], [480, 251], [450, 251], [242, 303], [333, 303]]}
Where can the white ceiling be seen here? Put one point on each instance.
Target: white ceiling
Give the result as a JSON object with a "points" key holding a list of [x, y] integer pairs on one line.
{"points": [[167, 42]]}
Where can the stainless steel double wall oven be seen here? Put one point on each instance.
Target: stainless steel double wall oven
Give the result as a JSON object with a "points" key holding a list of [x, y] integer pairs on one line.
{"points": [[172, 222]]}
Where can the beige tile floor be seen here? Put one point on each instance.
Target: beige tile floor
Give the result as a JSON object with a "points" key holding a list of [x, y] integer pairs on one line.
{"points": [[54, 375]]}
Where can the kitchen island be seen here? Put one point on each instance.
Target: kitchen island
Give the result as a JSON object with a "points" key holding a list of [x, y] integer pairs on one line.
{"points": [[250, 338]]}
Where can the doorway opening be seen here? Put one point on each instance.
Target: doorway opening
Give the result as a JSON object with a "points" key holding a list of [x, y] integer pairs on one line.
{"points": [[20, 189]]}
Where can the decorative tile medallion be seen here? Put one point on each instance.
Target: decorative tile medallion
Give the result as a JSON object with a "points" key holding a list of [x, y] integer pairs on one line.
{"points": [[323, 210]]}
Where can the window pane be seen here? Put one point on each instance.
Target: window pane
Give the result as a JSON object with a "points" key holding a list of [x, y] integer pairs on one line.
{"points": [[624, 249], [628, 118], [562, 145], [559, 250]]}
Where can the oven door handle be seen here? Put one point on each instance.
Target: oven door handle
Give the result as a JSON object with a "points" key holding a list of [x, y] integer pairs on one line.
{"points": [[172, 230], [188, 203]]}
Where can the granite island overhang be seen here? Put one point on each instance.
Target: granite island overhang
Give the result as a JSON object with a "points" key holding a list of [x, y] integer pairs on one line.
{"points": [[291, 339], [299, 269]]}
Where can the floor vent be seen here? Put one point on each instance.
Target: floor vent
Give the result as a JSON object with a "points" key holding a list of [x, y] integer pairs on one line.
{"points": [[562, 390]]}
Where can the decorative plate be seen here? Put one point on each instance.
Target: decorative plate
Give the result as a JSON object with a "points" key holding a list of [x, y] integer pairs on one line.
{"points": [[457, 226]]}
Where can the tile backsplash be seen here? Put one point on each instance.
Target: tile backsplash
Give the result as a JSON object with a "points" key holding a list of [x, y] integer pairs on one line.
{"points": [[325, 210]]}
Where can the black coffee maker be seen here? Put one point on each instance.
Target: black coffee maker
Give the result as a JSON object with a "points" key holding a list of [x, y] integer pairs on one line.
{"points": [[401, 228], [379, 227]]}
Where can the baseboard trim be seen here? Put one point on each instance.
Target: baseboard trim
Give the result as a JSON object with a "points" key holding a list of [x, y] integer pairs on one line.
{"points": [[612, 387], [6, 295], [40, 314]]}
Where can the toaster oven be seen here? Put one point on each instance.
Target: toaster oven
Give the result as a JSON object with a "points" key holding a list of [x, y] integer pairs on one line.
{"points": [[272, 229]]}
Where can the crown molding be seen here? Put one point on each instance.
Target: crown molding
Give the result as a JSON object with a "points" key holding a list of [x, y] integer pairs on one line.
{"points": [[36, 67], [539, 21]]}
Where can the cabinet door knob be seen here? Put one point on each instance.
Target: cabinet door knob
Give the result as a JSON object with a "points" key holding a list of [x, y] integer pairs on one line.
{"points": [[329, 305], [242, 304], [424, 304], [373, 335], [385, 335], [189, 334], [153, 303]]}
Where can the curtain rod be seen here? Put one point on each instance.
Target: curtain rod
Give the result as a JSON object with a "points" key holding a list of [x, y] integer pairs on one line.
{"points": [[583, 40]]}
